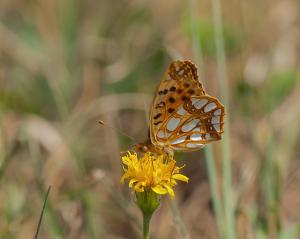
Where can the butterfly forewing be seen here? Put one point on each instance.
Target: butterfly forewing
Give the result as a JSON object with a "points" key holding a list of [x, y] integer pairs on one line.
{"points": [[178, 83], [183, 117]]}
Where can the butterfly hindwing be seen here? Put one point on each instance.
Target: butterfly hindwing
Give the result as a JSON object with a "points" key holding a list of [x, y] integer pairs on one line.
{"points": [[192, 126]]}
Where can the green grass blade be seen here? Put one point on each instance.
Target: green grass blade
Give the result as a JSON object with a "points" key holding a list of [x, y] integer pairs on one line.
{"points": [[210, 160], [213, 183], [223, 81]]}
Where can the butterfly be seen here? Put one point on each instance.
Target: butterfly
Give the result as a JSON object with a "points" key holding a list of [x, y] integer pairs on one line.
{"points": [[182, 117]]}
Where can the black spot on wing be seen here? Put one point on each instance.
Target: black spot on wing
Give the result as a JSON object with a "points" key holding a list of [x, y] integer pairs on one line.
{"points": [[173, 88], [157, 123], [191, 91], [171, 110], [171, 99], [157, 116], [184, 98]]}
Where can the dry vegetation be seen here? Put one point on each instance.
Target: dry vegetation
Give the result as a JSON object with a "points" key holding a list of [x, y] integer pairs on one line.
{"points": [[66, 64]]}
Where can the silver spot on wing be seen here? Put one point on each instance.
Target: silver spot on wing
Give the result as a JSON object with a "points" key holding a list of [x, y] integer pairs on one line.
{"points": [[194, 145], [173, 124], [190, 125], [181, 111], [210, 107], [179, 140], [196, 137], [199, 103], [217, 112]]}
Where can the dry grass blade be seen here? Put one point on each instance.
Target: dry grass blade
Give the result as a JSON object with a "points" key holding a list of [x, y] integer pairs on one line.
{"points": [[42, 213]]}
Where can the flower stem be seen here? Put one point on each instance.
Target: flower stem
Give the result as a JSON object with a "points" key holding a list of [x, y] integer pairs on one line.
{"points": [[146, 225], [148, 201]]}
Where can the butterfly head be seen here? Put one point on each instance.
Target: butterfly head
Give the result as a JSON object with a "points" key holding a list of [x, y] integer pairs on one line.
{"points": [[148, 146]]}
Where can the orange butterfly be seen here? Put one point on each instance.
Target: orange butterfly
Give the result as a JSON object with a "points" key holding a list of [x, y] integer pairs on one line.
{"points": [[183, 117]]}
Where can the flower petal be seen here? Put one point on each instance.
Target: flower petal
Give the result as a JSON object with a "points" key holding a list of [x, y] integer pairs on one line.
{"points": [[131, 182], [180, 177], [159, 189], [170, 191]]}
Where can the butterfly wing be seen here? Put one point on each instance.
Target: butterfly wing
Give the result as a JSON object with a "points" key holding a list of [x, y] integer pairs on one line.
{"points": [[183, 117]]}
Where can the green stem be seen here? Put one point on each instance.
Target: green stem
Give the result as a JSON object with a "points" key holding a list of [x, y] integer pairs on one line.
{"points": [[146, 225], [148, 201]]}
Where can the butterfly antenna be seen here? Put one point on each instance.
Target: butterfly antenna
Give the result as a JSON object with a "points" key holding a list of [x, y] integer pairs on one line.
{"points": [[101, 122]]}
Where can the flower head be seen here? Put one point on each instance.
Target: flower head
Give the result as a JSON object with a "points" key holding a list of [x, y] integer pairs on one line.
{"points": [[151, 172]]}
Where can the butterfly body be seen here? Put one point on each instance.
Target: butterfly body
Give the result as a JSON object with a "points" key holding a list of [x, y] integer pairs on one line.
{"points": [[183, 117]]}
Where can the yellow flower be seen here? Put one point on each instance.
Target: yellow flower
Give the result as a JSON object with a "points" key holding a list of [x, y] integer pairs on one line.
{"points": [[156, 172]]}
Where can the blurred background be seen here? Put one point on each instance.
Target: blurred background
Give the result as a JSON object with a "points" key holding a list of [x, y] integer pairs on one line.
{"points": [[66, 64]]}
